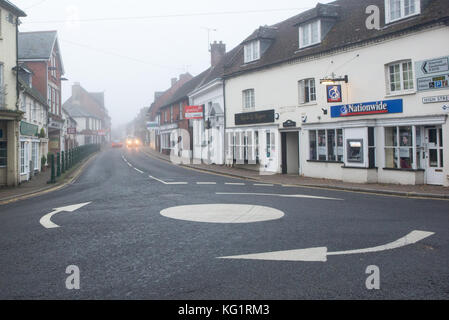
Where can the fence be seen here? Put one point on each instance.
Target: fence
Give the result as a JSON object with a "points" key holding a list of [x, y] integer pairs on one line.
{"points": [[64, 161]]}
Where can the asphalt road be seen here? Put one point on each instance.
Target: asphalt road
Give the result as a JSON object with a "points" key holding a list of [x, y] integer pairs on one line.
{"points": [[125, 249]]}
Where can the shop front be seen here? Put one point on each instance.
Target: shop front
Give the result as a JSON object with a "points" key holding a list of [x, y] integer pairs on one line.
{"points": [[396, 149], [29, 151], [55, 127], [254, 142]]}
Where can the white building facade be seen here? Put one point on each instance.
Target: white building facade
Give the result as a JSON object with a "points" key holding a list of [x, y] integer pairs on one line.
{"points": [[386, 122]]}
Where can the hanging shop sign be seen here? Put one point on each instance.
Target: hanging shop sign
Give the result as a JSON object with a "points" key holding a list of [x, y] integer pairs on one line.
{"points": [[334, 93], [71, 130], [152, 124], [28, 129], [254, 117], [54, 124], [367, 108], [194, 112]]}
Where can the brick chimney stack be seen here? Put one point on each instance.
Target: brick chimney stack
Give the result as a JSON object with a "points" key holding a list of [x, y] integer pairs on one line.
{"points": [[217, 52], [173, 81]]}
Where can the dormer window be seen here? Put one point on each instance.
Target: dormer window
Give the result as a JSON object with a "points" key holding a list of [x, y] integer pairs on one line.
{"points": [[252, 51], [310, 34], [401, 9]]}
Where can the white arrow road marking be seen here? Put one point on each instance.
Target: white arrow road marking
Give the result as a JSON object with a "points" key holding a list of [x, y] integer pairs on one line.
{"points": [[46, 220], [279, 195], [320, 254]]}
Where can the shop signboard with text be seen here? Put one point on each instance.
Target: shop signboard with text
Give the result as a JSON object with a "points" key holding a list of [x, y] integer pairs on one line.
{"points": [[368, 108], [194, 112]]}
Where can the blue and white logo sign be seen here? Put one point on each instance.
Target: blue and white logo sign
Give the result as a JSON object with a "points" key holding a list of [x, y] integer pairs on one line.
{"points": [[334, 93], [367, 108]]}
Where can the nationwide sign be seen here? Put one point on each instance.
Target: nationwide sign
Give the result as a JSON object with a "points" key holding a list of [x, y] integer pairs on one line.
{"points": [[367, 108], [194, 112]]}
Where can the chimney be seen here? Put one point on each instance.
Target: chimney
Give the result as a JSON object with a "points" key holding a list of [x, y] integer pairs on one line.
{"points": [[217, 52], [76, 90], [173, 81], [157, 95]]}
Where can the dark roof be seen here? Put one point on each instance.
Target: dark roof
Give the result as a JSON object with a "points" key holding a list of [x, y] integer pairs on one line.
{"points": [[9, 6], [77, 111], [32, 92], [167, 95], [36, 45], [264, 32], [183, 92], [349, 28]]}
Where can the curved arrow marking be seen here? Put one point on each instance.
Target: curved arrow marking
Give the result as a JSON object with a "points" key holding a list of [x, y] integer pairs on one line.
{"points": [[320, 254], [46, 220]]}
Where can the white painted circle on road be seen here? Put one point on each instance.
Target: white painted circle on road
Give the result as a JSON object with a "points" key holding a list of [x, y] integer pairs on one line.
{"points": [[223, 213]]}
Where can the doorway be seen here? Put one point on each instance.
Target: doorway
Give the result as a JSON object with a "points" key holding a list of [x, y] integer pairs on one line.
{"points": [[434, 155], [290, 152]]}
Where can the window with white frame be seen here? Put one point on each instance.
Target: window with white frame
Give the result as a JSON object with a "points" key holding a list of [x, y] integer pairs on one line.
{"points": [[3, 153], [400, 9], [310, 34], [326, 145], [181, 116], [249, 99], [307, 91], [2, 87], [252, 51], [35, 155], [400, 147], [22, 157], [400, 77]]}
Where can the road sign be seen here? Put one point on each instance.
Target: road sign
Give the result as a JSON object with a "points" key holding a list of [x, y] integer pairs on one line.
{"points": [[435, 65], [435, 99], [436, 82], [432, 74]]}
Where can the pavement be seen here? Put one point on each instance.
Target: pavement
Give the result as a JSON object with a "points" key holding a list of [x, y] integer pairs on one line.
{"points": [[427, 191], [39, 184], [137, 227]]}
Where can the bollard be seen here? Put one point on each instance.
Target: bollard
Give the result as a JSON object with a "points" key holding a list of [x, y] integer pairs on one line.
{"points": [[58, 164], [62, 162], [52, 164]]}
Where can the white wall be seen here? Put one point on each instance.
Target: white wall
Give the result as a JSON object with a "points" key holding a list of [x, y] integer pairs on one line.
{"points": [[277, 87]]}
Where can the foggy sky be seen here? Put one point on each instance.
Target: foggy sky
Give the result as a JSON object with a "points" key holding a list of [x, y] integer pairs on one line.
{"points": [[129, 59]]}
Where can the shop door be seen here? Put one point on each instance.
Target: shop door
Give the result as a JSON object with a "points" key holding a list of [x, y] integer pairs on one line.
{"points": [[434, 155]]}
